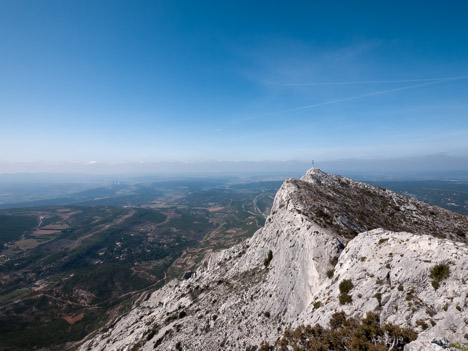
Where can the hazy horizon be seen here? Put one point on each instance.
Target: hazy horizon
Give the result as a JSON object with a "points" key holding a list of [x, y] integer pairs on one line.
{"points": [[431, 165]]}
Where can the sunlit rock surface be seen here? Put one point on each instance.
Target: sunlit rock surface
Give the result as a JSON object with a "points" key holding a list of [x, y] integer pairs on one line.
{"points": [[322, 230]]}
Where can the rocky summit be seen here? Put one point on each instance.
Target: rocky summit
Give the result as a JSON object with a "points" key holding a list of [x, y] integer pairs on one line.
{"points": [[330, 245]]}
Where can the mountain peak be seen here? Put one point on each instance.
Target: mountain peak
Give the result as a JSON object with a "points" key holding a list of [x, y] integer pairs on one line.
{"points": [[290, 271], [314, 173]]}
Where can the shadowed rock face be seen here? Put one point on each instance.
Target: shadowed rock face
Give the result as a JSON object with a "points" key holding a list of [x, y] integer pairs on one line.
{"points": [[239, 298], [351, 207]]}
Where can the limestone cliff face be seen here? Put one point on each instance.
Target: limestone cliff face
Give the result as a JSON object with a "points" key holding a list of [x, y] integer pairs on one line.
{"points": [[239, 297], [390, 273]]}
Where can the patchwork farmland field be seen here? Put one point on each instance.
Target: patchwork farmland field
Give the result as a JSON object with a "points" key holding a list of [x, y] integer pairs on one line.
{"points": [[66, 270]]}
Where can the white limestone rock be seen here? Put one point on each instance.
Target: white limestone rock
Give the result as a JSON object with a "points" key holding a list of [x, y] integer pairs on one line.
{"points": [[397, 266], [233, 301]]}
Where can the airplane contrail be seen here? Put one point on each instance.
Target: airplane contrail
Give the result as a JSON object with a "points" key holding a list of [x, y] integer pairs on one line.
{"points": [[380, 92], [376, 81]]}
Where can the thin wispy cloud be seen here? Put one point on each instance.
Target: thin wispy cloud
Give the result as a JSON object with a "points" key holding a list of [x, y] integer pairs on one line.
{"points": [[374, 93], [377, 81]]}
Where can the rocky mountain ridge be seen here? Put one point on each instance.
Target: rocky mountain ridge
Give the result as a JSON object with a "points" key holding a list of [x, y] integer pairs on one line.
{"points": [[289, 273]]}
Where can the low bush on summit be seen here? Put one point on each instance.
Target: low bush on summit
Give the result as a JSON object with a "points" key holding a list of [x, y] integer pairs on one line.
{"points": [[438, 273], [345, 334]]}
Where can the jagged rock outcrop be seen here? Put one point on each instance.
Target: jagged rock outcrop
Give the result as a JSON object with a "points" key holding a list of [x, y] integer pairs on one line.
{"points": [[282, 276], [391, 275]]}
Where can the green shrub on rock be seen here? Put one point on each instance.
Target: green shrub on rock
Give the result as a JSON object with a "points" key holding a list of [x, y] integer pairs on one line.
{"points": [[345, 287], [438, 273]]}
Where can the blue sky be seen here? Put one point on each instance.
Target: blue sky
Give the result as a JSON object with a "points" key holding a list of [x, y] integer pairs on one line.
{"points": [[150, 81]]}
